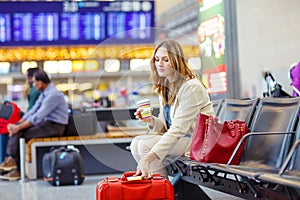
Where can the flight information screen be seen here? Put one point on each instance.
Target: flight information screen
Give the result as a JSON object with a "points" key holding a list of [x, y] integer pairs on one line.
{"points": [[75, 23], [35, 27]]}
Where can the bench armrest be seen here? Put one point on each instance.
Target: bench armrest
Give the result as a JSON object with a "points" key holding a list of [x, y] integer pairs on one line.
{"points": [[289, 157], [245, 137]]}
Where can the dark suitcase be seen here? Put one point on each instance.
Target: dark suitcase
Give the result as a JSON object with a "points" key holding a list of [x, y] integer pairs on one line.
{"points": [[114, 188], [63, 166]]}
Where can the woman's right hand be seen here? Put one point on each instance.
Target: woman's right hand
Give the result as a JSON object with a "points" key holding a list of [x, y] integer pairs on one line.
{"points": [[138, 116]]}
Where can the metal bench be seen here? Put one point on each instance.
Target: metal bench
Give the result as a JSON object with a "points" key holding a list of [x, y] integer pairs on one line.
{"points": [[101, 153]]}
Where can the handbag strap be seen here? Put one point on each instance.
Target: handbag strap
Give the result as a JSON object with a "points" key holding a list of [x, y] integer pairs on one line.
{"points": [[208, 122], [232, 127], [236, 126]]}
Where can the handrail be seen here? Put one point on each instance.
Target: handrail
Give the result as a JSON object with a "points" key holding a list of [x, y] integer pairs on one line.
{"points": [[253, 134], [289, 157]]}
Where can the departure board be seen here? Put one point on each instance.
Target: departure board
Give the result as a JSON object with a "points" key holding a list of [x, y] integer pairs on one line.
{"points": [[88, 26], [35, 27], [76, 23]]}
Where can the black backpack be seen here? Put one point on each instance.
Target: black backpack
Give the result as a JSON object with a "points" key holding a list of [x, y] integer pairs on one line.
{"points": [[63, 166]]}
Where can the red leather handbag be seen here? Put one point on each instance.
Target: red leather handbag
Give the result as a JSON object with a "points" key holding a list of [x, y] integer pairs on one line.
{"points": [[214, 142], [114, 188]]}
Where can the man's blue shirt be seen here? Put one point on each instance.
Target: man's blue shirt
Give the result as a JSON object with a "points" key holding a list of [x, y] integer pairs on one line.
{"points": [[50, 106]]}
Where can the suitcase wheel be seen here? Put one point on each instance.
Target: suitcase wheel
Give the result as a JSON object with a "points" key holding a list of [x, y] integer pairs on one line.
{"points": [[58, 171], [57, 183]]}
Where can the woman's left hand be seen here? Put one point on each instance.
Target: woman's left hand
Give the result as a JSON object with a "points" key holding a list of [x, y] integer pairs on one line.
{"points": [[143, 167]]}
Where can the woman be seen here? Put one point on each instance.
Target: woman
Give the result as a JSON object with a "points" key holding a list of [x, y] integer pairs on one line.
{"points": [[182, 98]]}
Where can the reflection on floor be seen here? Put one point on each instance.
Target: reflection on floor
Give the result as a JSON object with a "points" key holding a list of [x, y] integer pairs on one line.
{"points": [[41, 190]]}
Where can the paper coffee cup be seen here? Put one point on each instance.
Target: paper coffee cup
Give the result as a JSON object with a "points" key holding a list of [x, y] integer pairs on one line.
{"points": [[145, 105]]}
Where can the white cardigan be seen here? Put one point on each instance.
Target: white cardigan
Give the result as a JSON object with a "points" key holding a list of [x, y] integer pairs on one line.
{"points": [[191, 99]]}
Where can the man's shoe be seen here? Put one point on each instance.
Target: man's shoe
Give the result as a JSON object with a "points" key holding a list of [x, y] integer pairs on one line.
{"points": [[2, 172], [13, 175], [8, 164]]}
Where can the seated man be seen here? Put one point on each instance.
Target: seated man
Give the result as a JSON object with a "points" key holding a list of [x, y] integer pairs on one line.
{"points": [[47, 118]]}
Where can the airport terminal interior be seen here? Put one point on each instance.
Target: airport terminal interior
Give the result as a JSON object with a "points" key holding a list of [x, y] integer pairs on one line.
{"points": [[97, 53]]}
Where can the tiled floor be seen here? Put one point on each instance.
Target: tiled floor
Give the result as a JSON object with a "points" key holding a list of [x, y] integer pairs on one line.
{"points": [[41, 190]]}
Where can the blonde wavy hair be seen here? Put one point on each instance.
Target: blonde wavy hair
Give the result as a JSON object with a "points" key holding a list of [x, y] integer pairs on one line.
{"points": [[178, 62]]}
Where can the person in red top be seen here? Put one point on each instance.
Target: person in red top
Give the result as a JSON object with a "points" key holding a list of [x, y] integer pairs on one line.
{"points": [[295, 78]]}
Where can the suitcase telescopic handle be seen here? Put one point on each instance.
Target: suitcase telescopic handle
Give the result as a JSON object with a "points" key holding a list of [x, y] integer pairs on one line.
{"points": [[132, 173]]}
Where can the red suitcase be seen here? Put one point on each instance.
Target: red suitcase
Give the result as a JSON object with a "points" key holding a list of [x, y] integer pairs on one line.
{"points": [[114, 188]]}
